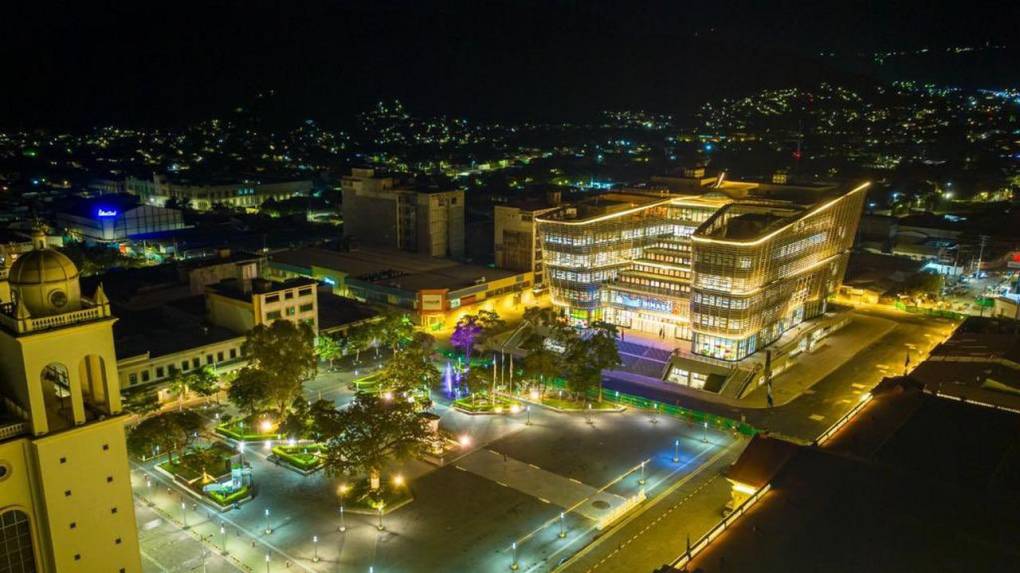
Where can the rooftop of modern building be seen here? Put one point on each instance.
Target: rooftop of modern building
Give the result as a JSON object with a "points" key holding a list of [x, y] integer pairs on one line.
{"points": [[336, 312], [243, 290], [101, 206], [166, 329], [393, 267], [913, 482]]}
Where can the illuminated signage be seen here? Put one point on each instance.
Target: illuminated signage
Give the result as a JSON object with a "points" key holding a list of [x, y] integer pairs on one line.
{"points": [[106, 213]]}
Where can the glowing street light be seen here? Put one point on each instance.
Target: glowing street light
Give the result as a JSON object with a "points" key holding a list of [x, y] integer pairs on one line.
{"points": [[267, 563], [588, 417], [223, 538], [563, 525], [340, 491], [315, 545], [268, 529], [641, 480], [513, 564], [676, 451], [704, 433], [381, 527], [528, 410], [398, 480], [655, 414], [265, 426], [464, 440], [184, 514]]}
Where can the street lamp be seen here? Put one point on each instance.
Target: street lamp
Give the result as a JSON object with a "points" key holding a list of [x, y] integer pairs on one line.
{"points": [[704, 433], [676, 451], [655, 414], [563, 526], [267, 563], [223, 537], [340, 490], [513, 564], [315, 545], [588, 417], [268, 529], [380, 527], [641, 480], [528, 410], [184, 514]]}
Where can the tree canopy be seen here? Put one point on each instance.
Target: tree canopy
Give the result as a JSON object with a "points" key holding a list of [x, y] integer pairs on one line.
{"points": [[285, 353], [171, 431], [373, 432]]}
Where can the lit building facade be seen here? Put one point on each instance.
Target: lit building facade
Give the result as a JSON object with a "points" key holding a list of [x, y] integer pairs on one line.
{"points": [[65, 486], [729, 275]]}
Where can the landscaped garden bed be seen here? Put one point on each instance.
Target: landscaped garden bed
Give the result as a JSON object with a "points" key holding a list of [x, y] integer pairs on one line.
{"points": [[305, 458], [485, 405], [256, 428], [568, 405], [200, 464], [360, 498]]}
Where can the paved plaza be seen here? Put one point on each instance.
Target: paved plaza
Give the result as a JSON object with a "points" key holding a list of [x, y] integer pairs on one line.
{"points": [[510, 485]]}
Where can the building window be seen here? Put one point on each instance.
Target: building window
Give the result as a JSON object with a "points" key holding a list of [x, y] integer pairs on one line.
{"points": [[272, 298], [16, 554], [74, 525], [196, 362], [305, 292], [63, 460], [233, 353], [274, 315], [132, 379], [291, 311], [145, 376], [219, 356], [288, 295], [184, 365], [208, 359], [160, 372], [306, 307]]}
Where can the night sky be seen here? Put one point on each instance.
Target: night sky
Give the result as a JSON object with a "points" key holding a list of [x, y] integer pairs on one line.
{"points": [[73, 64]]}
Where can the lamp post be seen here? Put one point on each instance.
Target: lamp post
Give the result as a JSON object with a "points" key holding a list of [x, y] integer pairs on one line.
{"points": [[315, 548], [563, 526], [704, 433], [641, 480], [676, 451], [267, 563], [340, 493], [588, 417], [268, 529], [513, 564], [380, 527], [528, 410], [655, 414], [223, 538], [184, 514]]}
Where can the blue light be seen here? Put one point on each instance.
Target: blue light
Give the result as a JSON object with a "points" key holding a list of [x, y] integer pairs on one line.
{"points": [[106, 212], [708, 147]]}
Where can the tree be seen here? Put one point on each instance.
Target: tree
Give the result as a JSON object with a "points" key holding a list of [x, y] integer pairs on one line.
{"points": [[359, 339], [542, 363], [424, 342], [474, 329], [327, 348], [296, 423], [324, 420], [247, 391], [141, 402], [475, 381], [373, 432], [409, 369], [177, 386], [171, 432], [395, 329], [202, 381], [587, 356], [286, 354]]}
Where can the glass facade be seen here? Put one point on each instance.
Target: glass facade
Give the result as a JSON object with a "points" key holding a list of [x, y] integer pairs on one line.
{"points": [[730, 276]]}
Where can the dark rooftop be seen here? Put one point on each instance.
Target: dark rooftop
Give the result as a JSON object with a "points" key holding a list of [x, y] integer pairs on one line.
{"points": [[913, 483], [336, 311], [165, 330]]}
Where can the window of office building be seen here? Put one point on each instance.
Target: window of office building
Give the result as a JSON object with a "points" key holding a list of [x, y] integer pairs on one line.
{"points": [[273, 315], [306, 307], [272, 298], [16, 555], [305, 292]]}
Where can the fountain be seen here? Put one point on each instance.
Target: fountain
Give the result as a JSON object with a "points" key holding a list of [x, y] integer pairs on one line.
{"points": [[448, 378]]}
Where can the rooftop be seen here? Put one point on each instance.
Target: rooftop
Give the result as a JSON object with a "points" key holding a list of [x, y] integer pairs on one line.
{"points": [[165, 330], [913, 483], [393, 267]]}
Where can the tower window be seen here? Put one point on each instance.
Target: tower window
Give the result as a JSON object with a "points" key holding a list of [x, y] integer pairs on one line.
{"points": [[74, 524], [106, 447], [109, 479], [67, 493], [113, 510], [77, 556], [63, 460], [117, 541]]}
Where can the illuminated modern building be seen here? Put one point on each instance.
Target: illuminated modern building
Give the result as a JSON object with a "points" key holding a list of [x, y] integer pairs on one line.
{"points": [[116, 218], [727, 266], [65, 487]]}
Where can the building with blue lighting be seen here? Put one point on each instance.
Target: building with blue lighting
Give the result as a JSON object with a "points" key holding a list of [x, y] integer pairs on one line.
{"points": [[115, 218]]}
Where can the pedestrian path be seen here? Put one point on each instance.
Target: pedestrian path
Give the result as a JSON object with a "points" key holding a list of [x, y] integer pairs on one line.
{"points": [[545, 485]]}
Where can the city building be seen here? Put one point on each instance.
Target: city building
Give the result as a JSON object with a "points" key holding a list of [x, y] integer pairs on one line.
{"points": [[245, 194], [241, 305], [515, 238], [116, 218], [65, 484], [386, 211], [436, 292], [722, 268], [911, 481]]}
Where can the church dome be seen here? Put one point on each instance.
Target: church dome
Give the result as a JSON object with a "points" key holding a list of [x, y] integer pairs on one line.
{"points": [[46, 281]]}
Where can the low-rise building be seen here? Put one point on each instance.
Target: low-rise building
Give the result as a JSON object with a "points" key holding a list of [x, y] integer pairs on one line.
{"points": [[515, 239], [115, 218], [241, 305], [435, 291]]}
